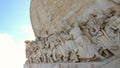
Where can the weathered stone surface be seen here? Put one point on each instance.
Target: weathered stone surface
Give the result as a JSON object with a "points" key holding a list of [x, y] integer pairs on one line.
{"points": [[52, 15], [113, 62], [73, 31]]}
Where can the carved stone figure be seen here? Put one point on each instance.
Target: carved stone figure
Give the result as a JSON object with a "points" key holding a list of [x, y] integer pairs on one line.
{"points": [[74, 31]]}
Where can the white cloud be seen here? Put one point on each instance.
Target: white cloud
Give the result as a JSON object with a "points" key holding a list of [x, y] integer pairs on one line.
{"points": [[12, 54], [28, 31], [6, 39]]}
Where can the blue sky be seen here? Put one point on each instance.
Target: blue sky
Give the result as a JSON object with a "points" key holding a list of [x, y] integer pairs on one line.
{"points": [[15, 28], [13, 15]]}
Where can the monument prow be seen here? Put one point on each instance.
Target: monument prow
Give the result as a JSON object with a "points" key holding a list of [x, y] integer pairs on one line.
{"points": [[74, 33]]}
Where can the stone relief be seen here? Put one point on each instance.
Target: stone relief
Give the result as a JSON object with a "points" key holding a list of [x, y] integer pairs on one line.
{"points": [[94, 39]]}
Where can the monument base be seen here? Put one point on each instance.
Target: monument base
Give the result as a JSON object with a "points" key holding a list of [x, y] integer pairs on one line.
{"points": [[113, 62]]}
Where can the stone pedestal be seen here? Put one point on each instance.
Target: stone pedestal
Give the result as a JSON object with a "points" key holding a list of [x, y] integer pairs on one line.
{"points": [[113, 62]]}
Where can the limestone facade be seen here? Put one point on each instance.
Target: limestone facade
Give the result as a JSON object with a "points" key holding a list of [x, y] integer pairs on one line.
{"points": [[74, 31]]}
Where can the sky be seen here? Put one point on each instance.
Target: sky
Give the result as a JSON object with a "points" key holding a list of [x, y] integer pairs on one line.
{"points": [[15, 28]]}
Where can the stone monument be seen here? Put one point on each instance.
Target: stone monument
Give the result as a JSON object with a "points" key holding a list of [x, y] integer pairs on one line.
{"points": [[74, 34]]}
